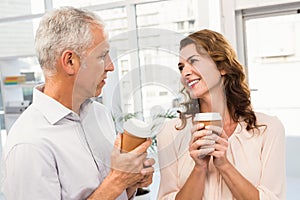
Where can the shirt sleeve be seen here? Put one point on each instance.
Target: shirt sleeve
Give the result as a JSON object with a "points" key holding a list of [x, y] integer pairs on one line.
{"points": [[168, 165], [29, 173], [273, 178]]}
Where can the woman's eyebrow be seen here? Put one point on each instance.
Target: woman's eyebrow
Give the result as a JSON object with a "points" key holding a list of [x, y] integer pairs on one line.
{"points": [[189, 58], [180, 64]]}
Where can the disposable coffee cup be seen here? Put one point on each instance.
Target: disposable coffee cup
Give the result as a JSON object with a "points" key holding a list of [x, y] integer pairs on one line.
{"points": [[135, 133], [209, 118]]}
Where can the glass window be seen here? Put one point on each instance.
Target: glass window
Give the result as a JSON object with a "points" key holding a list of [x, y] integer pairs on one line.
{"points": [[166, 15], [17, 38], [191, 24], [180, 25], [273, 59], [161, 27], [115, 20], [80, 3], [20, 7], [119, 82]]}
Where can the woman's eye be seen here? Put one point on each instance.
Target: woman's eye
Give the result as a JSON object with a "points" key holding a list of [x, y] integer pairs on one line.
{"points": [[192, 61], [180, 68]]}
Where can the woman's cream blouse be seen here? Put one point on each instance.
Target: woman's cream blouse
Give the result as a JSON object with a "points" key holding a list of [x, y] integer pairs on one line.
{"points": [[260, 158]]}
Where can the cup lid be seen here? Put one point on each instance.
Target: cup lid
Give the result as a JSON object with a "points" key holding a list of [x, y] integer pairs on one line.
{"points": [[137, 128], [210, 116]]}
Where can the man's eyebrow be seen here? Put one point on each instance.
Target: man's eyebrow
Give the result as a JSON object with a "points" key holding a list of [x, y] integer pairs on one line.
{"points": [[104, 50]]}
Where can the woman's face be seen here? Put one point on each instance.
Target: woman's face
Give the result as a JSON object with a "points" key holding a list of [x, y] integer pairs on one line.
{"points": [[199, 73]]}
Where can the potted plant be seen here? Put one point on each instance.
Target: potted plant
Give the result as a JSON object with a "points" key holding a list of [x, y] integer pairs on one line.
{"points": [[145, 193]]}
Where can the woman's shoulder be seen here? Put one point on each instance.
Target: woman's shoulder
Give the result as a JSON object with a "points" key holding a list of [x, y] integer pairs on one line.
{"points": [[269, 120], [272, 124], [169, 129], [171, 125]]}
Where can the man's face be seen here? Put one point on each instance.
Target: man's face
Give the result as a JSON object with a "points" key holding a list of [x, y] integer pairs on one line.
{"points": [[94, 66]]}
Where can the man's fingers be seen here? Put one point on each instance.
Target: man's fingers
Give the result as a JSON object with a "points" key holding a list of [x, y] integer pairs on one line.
{"points": [[149, 162], [147, 171], [146, 181], [142, 148], [117, 143]]}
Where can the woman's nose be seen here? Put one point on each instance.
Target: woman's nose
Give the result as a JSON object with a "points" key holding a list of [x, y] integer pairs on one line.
{"points": [[186, 71]]}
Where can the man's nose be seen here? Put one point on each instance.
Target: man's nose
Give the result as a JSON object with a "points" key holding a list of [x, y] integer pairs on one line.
{"points": [[109, 66]]}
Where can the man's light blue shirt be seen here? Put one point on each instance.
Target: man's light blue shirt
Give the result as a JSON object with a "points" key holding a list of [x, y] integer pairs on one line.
{"points": [[53, 153]]}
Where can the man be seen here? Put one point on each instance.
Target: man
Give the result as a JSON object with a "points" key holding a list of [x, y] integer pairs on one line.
{"points": [[61, 147]]}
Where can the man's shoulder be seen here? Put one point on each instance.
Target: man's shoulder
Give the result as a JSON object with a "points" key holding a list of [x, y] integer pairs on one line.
{"points": [[29, 119], [99, 105], [27, 127]]}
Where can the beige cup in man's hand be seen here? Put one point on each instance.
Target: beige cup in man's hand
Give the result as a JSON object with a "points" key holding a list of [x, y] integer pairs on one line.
{"points": [[135, 133]]}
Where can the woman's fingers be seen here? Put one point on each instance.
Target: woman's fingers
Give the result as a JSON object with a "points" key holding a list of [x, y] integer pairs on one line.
{"points": [[198, 144], [201, 153], [222, 141], [197, 127], [201, 134], [219, 147], [217, 130]]}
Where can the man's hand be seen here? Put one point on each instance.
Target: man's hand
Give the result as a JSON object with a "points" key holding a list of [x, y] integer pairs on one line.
{"points": [[147, 171], [128, 167], [128, 171]]}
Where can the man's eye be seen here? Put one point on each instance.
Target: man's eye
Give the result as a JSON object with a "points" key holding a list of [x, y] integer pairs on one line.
{"points": [[102, 57]]}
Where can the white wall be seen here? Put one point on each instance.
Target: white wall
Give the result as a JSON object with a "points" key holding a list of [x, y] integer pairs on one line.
{"points": [[16, 38], [228, 13], [243, 4], [292, 143]]}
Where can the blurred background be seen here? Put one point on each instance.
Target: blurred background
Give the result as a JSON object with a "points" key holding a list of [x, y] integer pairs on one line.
{"points": [[144, 36]]}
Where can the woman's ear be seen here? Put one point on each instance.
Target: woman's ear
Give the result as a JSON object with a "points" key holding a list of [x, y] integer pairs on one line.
{"points": [[70, 62], [223, 72]]}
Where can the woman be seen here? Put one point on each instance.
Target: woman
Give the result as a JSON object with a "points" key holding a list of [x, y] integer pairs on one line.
{"points": [[245, 159]]}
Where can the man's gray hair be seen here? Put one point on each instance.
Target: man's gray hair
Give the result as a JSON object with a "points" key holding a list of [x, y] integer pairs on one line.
{"points": [[62, 29]]}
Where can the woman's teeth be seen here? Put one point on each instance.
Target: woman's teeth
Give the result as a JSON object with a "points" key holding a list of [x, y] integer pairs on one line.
{"points": [[193, 82]]}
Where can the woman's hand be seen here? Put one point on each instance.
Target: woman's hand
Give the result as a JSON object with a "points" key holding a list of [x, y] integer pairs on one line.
{"points": [[221, 145], [202, 144]]}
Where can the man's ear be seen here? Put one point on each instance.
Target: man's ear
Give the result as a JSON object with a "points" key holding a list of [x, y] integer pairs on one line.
{"points": [[70, 62]]}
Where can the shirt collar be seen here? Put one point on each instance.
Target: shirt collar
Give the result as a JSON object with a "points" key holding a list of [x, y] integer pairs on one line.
{"points": [[49, 107]]}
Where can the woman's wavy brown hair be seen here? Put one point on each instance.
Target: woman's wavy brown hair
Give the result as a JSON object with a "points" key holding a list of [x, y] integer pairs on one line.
{"points": [[236, 90]]}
